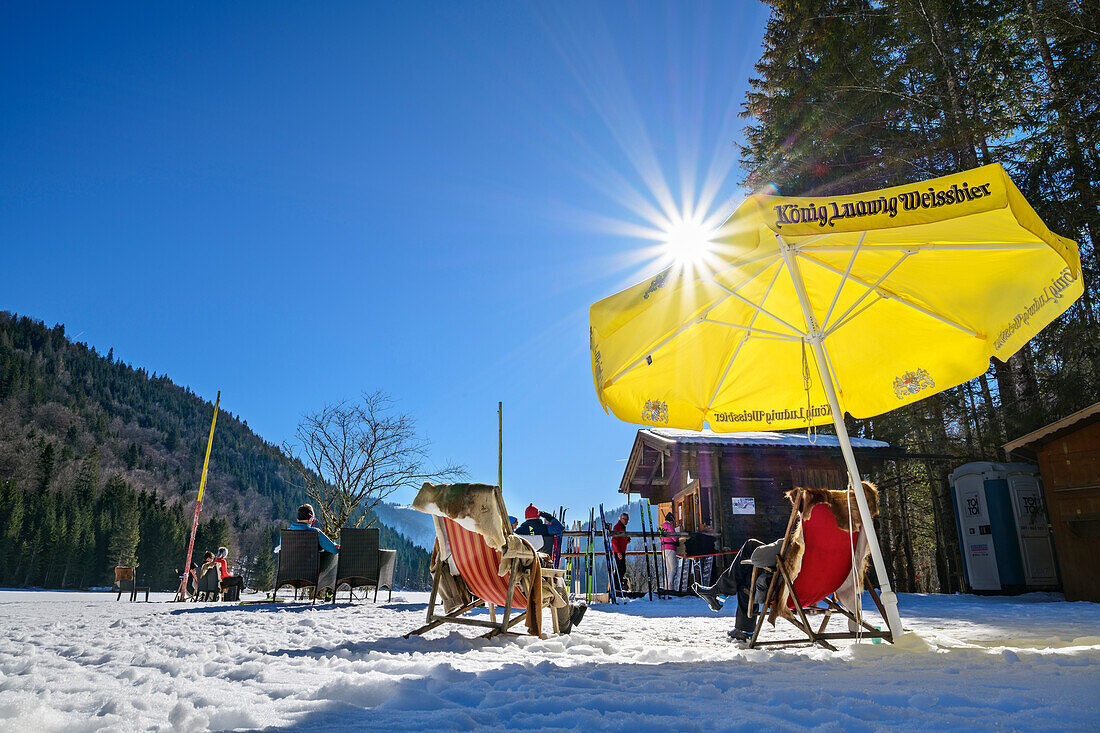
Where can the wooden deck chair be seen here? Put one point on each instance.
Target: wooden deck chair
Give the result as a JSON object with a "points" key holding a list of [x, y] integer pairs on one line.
{"points": [[467, 554], [826, 567]]}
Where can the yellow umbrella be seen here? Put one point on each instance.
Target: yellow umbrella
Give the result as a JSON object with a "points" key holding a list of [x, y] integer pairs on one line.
{"points": [[802, 309]]}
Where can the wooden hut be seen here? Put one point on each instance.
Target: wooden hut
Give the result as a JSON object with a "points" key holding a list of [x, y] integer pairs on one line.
{"points": [[1068, 454], [731, 485]]}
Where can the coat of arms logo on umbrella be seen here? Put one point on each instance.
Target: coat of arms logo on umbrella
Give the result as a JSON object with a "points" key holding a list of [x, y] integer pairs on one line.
{"points": [[912, 382]]}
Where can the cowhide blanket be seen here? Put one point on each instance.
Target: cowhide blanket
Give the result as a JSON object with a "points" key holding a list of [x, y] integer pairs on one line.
{"points": [[478, 508], [472, 506], [843, 506]]}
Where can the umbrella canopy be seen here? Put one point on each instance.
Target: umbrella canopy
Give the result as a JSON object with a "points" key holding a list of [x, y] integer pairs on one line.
{"points": [[806, 308], [914, 289]]}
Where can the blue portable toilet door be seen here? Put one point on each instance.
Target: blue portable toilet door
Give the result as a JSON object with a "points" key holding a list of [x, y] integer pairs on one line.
{"points": [[1031, 523], [975, 533]]}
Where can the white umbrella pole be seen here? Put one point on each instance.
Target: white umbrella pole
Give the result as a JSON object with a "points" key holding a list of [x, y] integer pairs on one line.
{"points": [[889, 598]]}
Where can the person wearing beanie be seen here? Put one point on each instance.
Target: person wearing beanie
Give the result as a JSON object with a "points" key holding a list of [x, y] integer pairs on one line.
{"points": [[540, 528], [306, 518], [619, 544], [326, 579]]}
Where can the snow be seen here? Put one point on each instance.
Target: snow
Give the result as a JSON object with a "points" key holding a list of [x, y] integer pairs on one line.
{"points": [[796, 440], [84, 662]]}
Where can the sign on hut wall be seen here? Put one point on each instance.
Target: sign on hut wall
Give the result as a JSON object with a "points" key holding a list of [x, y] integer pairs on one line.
{"points": [[743, 505]]}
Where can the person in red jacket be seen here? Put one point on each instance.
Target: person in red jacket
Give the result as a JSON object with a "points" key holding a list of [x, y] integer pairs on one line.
{"points": [[228, 581], [619, 543]]}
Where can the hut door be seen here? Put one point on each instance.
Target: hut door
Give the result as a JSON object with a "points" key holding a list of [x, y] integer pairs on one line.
{"points": [[690, 523]]}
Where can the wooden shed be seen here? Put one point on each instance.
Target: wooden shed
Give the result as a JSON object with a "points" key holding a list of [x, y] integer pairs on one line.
{"points": [[731, 485], [1068, 454]]}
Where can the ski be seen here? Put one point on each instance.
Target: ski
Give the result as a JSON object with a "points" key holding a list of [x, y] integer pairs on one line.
{"points": [[645, 549], [612, 572], [662, 572]]}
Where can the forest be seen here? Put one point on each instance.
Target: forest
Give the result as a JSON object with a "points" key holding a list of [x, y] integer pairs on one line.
{"points": [[100, 465], [855, 95]]}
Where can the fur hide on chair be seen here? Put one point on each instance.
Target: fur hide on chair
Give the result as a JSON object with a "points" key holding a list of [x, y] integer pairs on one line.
{"points": [[843, 506], [471, 506]]}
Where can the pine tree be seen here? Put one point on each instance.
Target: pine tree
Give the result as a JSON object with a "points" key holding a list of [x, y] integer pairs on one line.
{"points": [[123, 536], [262, 576], [45, 465]]}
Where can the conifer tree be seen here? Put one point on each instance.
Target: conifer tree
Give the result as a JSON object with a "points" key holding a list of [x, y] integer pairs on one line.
{"points": [[120, 502]]}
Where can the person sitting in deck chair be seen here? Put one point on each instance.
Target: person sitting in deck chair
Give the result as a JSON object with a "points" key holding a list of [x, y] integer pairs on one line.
{"points": [[540, 529], [231, 584], [737, 578]]}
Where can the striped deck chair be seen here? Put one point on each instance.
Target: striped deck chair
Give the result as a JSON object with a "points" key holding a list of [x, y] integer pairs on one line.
{"points": [[464, 553], [826, 568]]}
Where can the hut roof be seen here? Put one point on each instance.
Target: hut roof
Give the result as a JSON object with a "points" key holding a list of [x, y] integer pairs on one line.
{"points": [[1057, 429], [756, 439]]}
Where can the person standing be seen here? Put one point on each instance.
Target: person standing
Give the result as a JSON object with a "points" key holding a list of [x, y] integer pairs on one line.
{"points": [[542, 525], [668, 549], [619, 543]]}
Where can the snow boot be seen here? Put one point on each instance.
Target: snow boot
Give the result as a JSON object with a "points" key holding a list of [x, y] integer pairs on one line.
{"points": [[577, 614], [707, 595], [738, 635]]}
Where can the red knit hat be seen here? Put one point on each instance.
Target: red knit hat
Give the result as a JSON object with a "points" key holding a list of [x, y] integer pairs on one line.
{"points": [[531, 512]]}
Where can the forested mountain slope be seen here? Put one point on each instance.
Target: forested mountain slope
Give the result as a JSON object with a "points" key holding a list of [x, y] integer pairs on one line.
{"points": [[99, 459]]}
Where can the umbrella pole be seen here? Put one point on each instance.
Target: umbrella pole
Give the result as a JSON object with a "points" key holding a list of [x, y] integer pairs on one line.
{"points": [[815, 338]]}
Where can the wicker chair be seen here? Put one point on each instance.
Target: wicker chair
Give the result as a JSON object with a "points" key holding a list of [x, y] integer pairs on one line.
{"points": [[387, 560], [302, 564], [357, 564]]}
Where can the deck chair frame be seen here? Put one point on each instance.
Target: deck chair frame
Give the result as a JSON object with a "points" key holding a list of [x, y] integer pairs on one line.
{"points": [[495, 627], [770, 606]]}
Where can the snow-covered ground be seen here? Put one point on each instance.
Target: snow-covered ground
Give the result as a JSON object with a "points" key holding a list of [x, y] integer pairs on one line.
{"points": [[81, 661]]}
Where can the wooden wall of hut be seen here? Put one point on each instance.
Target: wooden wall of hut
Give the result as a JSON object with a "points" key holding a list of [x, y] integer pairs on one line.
{"points": [[765, 477]]}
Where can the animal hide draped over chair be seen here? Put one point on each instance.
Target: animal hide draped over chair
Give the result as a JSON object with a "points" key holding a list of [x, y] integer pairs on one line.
{"points": [[478, 508], [471, 506], [842, 504]]}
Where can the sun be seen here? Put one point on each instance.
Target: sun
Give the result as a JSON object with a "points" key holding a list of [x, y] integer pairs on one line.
{"points": [[688, 242]]}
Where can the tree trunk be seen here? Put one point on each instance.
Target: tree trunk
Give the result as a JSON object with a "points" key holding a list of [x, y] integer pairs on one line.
{"points": [[962, 132], [1069, 137], [996, 425], [969, 389], [1006, 389]]}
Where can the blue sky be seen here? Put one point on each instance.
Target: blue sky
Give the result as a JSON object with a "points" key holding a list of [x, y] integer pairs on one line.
{"points": [[293, 203]]}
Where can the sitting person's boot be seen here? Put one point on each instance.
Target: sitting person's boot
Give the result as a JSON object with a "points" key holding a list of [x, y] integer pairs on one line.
{"points": [[577, 614], [737, 635], [708, 595]]}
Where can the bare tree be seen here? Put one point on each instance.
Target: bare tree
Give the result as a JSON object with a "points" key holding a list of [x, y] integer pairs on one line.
{"points": [[352, 454]]}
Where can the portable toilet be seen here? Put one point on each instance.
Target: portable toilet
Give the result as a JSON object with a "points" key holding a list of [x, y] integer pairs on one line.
{"points": [[1003, 527]]}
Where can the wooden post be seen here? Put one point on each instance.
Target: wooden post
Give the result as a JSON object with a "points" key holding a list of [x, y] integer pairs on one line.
{"points": [[500, 445]]}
